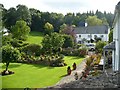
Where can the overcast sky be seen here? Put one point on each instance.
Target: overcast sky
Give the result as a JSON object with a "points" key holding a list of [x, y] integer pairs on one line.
{"points": [[64, 6]]}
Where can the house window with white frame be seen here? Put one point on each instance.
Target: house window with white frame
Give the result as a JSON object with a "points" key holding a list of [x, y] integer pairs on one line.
{"points": [[102, 36], [95, 36], [89, 35], [79, 36]]}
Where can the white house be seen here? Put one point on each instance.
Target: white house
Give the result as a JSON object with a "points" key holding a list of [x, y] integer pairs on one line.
{"points": [[116, 38], [115, 45], [91, 32]]}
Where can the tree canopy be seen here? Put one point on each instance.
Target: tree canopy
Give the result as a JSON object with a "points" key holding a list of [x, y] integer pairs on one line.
{"points": [[52, 43], [48, 28], [20, 30], [9, 54], [37, 19], [93, 20]]}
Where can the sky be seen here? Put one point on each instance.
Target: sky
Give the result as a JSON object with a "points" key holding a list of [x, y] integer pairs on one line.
{"points": [[64, 6]]}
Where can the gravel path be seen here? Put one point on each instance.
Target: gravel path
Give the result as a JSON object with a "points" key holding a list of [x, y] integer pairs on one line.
{"points": [[69, 78]]}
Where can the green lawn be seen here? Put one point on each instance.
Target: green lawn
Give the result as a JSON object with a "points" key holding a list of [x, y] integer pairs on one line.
{"points": [[35, 37], [36, 76]]}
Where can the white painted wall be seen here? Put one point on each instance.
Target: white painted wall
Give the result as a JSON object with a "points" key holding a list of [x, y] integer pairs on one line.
{"points": [[116, 38], [86, 36]]}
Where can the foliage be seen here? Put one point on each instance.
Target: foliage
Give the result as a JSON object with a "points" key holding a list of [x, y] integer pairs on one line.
{"points": [[53, 60], [18, 43], [93, 20], [93, 60], [104, 21], [9, 54], [52, 43], [68, 41], [69, 18], [97, 39], [12, 15], [62, 27], [100, 45], [69, 30], [23, 13], [36, 19], [89, 61], [81, 52], [111, 36], [6, 39], [97, 59], [32, 49], [10, 18], [48, 28], [20, 30]]}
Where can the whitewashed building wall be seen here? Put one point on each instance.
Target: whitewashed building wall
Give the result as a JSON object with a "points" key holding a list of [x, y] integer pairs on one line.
{"points": [[116, 38]]}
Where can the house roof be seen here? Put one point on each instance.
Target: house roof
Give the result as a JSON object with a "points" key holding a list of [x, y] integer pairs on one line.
{"points": [[103, 29], [110, 46], [117, 10]]}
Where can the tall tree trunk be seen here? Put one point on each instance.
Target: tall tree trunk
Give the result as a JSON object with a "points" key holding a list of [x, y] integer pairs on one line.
{"points": [[7, 64]]}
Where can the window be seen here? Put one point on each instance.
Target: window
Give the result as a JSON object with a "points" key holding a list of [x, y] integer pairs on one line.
{"points": [[79, 36], [102, 36], [95, 36], [88, 35], [79, 42]]}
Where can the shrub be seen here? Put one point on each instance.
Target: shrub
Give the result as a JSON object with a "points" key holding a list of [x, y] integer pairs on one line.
{"points": [[20, 30], [6, 39], [111, 36], [53, 60], [68, 41], [83, 51], [89, 61], [32, 49], [74, 52], [92, 60], [18, 43], [100, 45], [52, 43], [67, 51], [97, 59]]}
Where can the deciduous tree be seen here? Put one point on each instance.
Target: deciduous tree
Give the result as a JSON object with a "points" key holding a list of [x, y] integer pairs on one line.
{"points": [[20, 30], [48, 28], [52, 43], [93, 20], [9, 54]]}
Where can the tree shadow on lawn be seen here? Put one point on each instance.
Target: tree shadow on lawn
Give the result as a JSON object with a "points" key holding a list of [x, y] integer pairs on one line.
{"points": [[38, 65], [42, 66], [64, 75], [49, 67], [76, 58], [35, 34], [12, 65]]}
